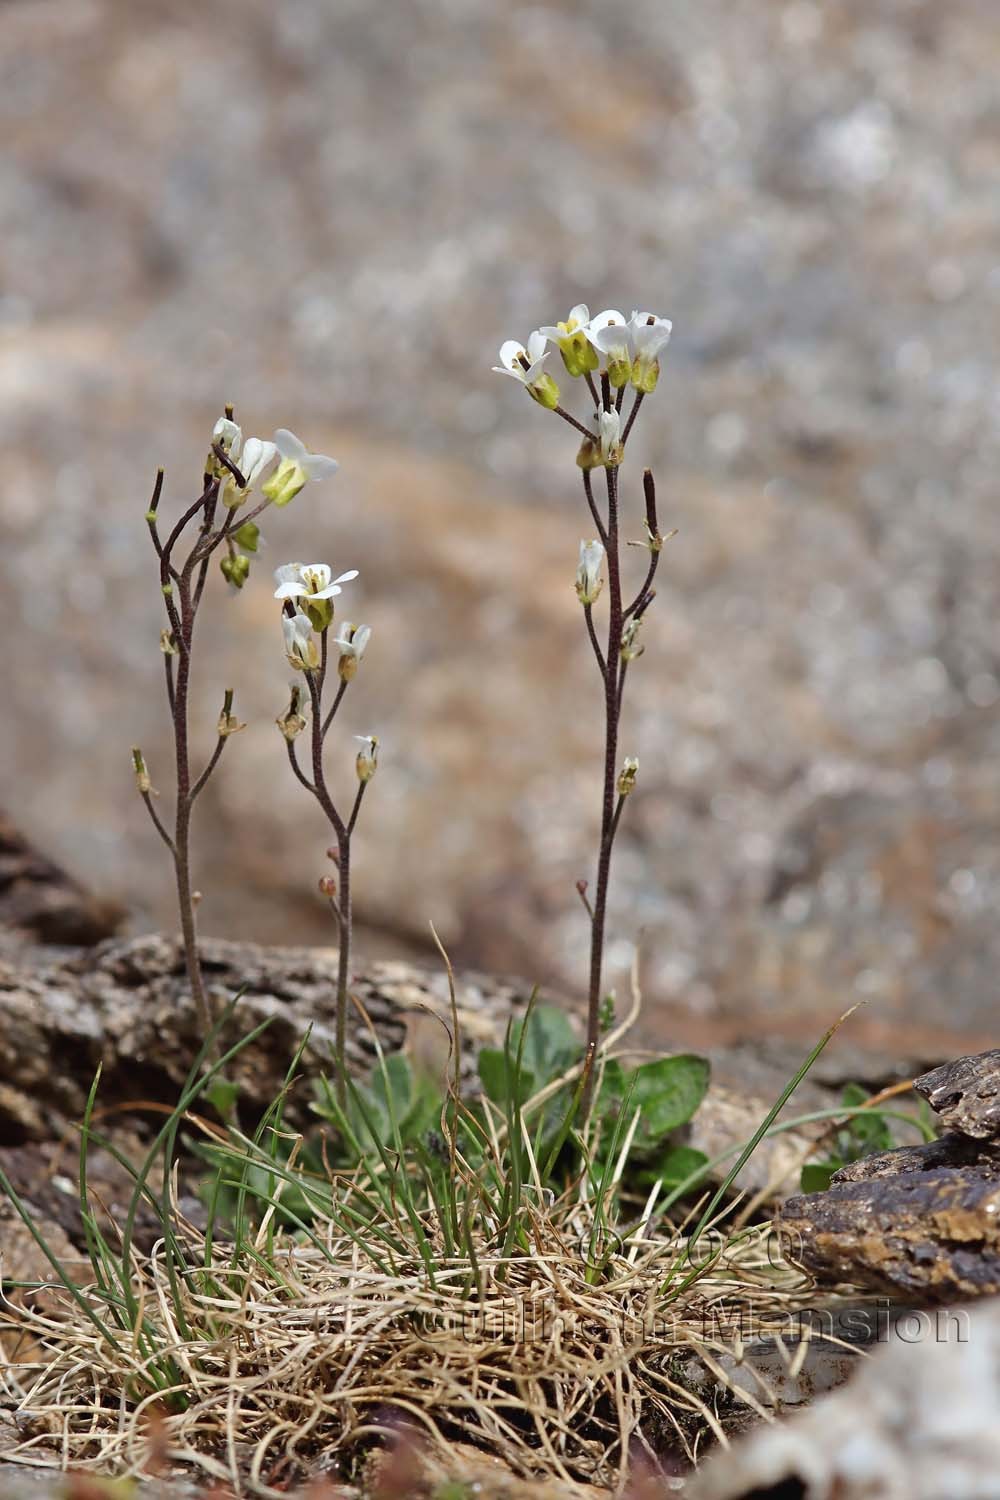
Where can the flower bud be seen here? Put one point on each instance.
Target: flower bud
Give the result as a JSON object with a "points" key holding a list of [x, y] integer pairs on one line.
{"points": [[610, 427], [167, 643], [627, 775], [630, 648], [352, 642], [366, 763], [588, 573], [248, 536], [235, 570], [328, 887], [142, 780]]}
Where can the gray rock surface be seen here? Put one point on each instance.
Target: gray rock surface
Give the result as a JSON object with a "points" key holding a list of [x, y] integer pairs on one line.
{"points": [[917, 1422]]}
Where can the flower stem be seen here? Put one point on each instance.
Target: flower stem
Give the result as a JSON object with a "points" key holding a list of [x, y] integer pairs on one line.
{"points": [[609, 822]]}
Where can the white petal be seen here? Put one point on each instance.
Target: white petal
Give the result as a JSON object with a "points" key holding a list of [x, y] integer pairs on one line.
{"points": [[290, 590], [580, 314], [287, 571], [509, 353], [346, 577], [289, 446], [604, 318], [514, 374], [536, 346], [321, 467]]}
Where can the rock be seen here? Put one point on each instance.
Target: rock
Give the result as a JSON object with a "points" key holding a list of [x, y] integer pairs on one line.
{"points": [[965, 1094], [40, 900], [946, 1151], [917, 1422], [929, 1236]]}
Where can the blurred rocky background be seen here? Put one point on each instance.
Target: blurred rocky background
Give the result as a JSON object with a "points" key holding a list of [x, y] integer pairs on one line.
{"points": [[331, 212]]}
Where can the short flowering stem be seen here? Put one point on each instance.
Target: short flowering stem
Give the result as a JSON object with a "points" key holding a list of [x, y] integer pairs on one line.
{"points": [[592, 388], [561, 411], [332, 714]]}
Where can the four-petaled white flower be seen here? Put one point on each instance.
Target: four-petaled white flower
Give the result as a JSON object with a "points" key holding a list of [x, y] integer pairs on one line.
{"points": [[612, 336], [525, 364], [312, 585], [257, 454], [579, 355], [300, 642], [297, 467], [309, 581], [366, 763], [650, 334], [352, 642], [588, 574]]}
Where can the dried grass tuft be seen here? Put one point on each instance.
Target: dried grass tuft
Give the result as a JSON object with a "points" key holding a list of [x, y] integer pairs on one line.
{"points": [[309, 1357]]}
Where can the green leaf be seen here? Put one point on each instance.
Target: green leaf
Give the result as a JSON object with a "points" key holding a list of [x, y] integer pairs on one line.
{"points": [[816, 1175], [680, 1163], [222, 1096], [667, 1091], [550, 1044], [496, 1074]]}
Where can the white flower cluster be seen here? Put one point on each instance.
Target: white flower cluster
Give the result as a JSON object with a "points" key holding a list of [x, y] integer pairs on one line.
{"points": [[630, 348], [296, 467]]}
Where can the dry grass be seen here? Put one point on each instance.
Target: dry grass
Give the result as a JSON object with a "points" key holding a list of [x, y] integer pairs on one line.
{"points": [[308, 1356]]}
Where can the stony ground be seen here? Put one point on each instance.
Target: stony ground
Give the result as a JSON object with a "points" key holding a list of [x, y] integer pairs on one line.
{"points": [[332, 213]]}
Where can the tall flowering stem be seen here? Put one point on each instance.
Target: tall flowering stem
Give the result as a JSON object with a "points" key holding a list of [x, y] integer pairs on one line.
{"points": [[622, 354], [307, 615], [215, 522]]}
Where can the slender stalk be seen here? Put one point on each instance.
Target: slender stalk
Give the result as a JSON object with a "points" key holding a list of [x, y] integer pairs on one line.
{"points": [[343, 832], [612, 714]]}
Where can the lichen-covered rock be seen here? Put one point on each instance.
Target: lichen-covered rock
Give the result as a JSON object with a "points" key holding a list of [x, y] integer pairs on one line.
{"points": [[965, 1094], [929, 1236]]}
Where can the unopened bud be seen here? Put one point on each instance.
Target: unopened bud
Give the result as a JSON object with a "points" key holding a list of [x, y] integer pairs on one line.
{"points": [[627, 775], [142, 780], [366, 763], [328, 887], [630, 648], [235, 570], [248, 536], [588, 573]]}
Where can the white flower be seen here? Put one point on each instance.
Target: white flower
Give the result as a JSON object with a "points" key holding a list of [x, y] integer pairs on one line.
{"points": [[310, 581], [578, 353], [300, 643], [298, 466], [525, 365], [650, 334], [352, 642], [588, 574], [367, 758], [609, 425], [229, 437], [256, 456], [612, 336]]}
